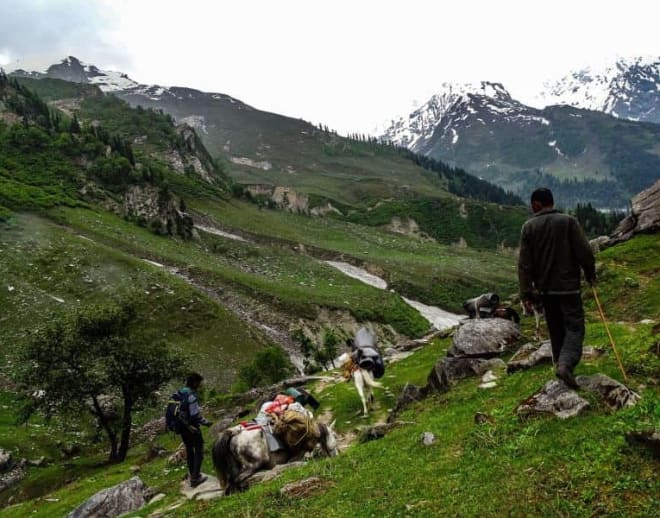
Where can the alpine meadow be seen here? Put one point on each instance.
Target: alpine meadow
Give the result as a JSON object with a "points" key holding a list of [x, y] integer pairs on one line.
{"points": [[208, 308]]}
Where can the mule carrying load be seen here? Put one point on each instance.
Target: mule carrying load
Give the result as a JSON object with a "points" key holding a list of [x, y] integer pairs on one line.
{"points": [[363, 364], [365, 353], [283, 431]]}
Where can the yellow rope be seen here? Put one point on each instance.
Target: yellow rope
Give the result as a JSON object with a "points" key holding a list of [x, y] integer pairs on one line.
{"points": [[602, 316]]}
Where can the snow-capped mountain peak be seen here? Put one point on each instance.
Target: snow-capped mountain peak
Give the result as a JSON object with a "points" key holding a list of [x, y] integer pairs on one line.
{"points": [[627, 88], [72, 69], [409, 130]]}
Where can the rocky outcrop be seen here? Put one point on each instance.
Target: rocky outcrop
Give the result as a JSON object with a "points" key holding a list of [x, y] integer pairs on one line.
{"points": [[644, 217], [449, 369], [407, 227], [484, 338], [616, 395], [410, 394], [158, 209], [555, 398], [194, 156], [126, 497]]}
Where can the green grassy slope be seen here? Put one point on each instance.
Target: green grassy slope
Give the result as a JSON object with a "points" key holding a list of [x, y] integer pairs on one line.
{"points": [[433, 273], [532, 467], [49, 269]]}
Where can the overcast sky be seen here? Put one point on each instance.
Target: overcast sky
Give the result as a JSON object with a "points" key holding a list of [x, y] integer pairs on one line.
{"points": [[349, 64]]}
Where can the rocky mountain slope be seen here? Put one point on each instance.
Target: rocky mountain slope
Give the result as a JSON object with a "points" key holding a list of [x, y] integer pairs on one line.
{"points": [[582, 154]]}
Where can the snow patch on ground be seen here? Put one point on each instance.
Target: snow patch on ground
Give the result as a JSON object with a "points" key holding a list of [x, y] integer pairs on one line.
{"points": [[264, 165], [359, 273], [438, 318], [221, 233]]}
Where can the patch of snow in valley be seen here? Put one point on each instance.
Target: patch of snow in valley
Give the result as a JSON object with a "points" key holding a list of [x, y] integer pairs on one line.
{"points": [[359, 273], [454, 138], [266, 166], [154, 263], [438, 318], [222, 233]]}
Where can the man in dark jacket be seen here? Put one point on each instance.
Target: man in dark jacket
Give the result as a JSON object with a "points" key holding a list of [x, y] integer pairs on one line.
{"points": [[191, 435], [553, 249]]}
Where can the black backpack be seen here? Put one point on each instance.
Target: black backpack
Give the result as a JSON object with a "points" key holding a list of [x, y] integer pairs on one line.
{"points": [[173, 421]]}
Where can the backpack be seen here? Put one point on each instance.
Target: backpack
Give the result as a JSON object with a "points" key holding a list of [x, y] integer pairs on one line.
{"points": [[173, 412]]}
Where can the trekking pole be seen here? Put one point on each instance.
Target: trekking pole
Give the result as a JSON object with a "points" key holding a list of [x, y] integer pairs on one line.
{"points": [[602, 316]]}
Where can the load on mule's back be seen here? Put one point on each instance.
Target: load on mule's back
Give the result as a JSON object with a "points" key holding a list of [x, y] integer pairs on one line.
{"points": [[363, 364], [283, 431]]}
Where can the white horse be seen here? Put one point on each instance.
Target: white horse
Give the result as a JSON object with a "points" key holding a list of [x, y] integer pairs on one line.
{"points": [[239, 453], [364, 381]]}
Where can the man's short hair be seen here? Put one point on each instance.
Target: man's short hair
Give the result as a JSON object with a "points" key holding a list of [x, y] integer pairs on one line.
{"points": [[543, 195], [194, 379]]}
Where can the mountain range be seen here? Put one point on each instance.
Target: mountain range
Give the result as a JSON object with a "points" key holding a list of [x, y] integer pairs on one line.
{"points": [[596, 141], [628, 89], [586, 143]]}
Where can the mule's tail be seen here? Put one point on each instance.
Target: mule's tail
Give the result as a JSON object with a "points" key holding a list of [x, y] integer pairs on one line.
{"points": [[369, 379], [227, 467]]}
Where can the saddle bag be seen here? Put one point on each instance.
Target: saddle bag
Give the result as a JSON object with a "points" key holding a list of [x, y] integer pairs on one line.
{"points": [[296, 430]]}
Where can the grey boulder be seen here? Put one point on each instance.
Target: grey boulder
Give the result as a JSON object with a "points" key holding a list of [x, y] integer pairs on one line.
{"points": [[484, 338], [530, 355], [616, 395], [126, 497], [555, 398]]}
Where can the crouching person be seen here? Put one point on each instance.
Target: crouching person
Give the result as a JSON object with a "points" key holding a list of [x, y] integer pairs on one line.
{"points": [[191, 419]]}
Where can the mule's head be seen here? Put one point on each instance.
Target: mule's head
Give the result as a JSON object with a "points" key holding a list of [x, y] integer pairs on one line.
{"points": [[329, 440]]}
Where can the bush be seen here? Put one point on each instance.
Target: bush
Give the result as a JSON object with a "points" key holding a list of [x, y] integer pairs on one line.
{"points": [[269, 366]]}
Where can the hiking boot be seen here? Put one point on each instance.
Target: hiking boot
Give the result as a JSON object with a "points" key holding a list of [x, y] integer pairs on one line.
{"points": [[565, 374], [199, 480]]}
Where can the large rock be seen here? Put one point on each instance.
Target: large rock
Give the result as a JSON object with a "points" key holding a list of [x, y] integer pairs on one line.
{"points": [[451, 369], [555, 398], [126, 497], [208, 490], [615, 394], [484, 338], [410, 394], [644, 216], [529, 355]]}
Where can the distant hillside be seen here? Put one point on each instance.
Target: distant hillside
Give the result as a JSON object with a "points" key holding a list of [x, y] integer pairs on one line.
{"points": [[280, 162], [585, 156], [268, 150], [96, 150]]}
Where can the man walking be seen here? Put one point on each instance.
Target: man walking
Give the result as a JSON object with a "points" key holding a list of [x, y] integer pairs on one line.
{"points": [[553, 249], [191, 419]]}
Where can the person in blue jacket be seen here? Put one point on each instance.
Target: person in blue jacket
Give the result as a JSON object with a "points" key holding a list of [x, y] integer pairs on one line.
{"points": [[191, 434]]}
